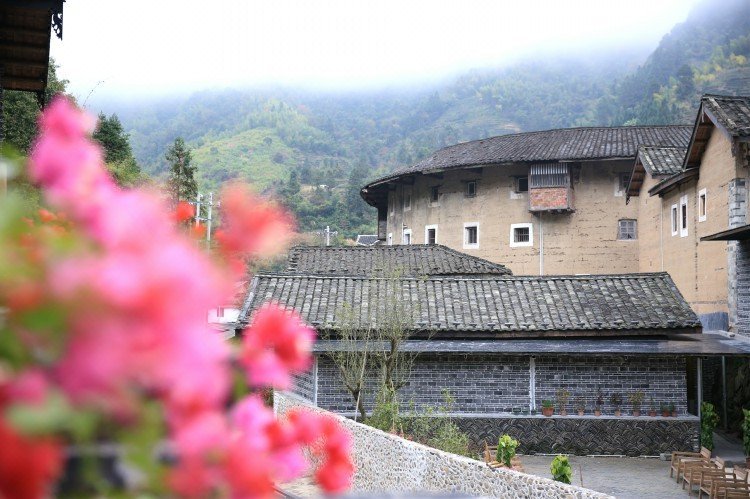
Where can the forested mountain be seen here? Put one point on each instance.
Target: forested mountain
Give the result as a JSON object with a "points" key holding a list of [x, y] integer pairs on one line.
{"points": [[314, 150]]}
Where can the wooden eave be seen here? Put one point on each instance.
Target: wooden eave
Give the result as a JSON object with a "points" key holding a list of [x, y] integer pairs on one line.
{"points": [[25, 33], [670, 183]]}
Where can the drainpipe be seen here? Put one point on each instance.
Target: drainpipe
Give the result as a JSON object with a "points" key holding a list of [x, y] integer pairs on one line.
{"points": [[724, 390], [661, 231], [315, 382], [541, 245], [699, 369]]}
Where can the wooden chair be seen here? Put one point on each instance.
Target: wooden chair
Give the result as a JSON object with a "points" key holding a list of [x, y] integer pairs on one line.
{"points": [[489, 457], [698, 473], [680, 459], [729, 488]]}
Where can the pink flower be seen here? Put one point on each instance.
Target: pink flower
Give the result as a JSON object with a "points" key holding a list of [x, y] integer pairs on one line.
{"points": [[29, 387], [275, 344]]}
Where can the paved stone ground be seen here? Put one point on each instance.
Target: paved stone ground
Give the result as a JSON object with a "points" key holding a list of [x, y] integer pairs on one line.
{"points": [[622, 477]]}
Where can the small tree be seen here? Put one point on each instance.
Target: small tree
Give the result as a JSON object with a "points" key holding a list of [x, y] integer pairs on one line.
{"points": [[181, 179], [561, 469], [355, 352]]}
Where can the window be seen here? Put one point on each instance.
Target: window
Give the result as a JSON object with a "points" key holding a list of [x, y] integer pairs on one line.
{"points": [[471, 189], [683, 216], [390, 239], [407, 201], [220, 312], [434, 194], [392, 205], [521, 184], [702, 205], [406, 236], [621, 183], [675, 220], [521, 235], [430, 234], [471, 235], [626, 230]]}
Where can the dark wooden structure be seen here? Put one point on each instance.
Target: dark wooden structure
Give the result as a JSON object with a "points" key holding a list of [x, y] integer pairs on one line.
{"points": [[25, 31]]}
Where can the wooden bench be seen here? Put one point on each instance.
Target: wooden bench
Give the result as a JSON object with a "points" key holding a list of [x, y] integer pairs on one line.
{"points": [[680, 460], [701, 473]]}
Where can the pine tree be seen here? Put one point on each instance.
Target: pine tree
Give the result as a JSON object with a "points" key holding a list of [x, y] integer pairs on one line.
{"points": [[110, 134], [181, 179]]}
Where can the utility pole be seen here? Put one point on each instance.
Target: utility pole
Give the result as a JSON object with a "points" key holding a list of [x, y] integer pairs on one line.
{"points": [[328, 236], [198, 209], [209, 219]]}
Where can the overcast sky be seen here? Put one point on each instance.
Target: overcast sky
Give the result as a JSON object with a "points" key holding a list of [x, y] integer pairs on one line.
{"points": [[165, 46]]}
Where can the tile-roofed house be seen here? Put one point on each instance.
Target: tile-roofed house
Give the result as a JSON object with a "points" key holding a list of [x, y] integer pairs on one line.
{"points": [[367, 239], [564, 144], [474, 307], [406, 260], [658, 162]]}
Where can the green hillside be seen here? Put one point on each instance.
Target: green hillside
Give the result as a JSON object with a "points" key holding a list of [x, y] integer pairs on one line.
{"points": [[258, 156], [313, 150]]}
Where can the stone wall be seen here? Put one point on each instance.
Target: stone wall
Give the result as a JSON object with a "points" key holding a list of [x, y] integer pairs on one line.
{"points": [[587, 435], [388, 463], [500, 384]]}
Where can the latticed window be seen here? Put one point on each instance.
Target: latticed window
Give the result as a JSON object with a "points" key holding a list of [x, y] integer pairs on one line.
{"points": [[434, 194], [626, 229], [549, 175]]}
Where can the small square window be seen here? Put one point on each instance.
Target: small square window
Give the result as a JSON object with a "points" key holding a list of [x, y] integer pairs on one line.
{"points": [[431, 236], [471, 235], [702, 205], [406, 237], [521, 235], [626, 230], [434, 194], [471, 189], [675, 220], [522, 184]]}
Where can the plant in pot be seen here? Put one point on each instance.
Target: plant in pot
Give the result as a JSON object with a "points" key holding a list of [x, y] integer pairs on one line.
{"points": [[665, 410], [652, 405], [616, 400], [672, 410], [562, 396], [599, 403], [580, 405], [746, 436], [636, 399], [547, 408]]}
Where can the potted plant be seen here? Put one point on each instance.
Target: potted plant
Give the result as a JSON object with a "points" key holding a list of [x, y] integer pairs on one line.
{"points": [[636, 399], [665, 410], [672, 410], [652, 410], [580, 405], [547, 408], [562, 396], [746, 436], [599, 403], [616, 400]]}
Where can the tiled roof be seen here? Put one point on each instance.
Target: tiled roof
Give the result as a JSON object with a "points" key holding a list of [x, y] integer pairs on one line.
{"points": [[732, 113], [566, 144], [480, 306], [662, 160], [367, 239], [405, 260]]}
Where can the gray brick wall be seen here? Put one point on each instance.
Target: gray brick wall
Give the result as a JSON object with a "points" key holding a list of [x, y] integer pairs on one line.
{"points": [[739, 285], [496, 383], [737, 255], [302, 385], [662, 378]]}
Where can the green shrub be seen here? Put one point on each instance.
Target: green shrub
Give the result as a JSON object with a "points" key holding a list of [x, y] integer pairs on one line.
{"points": [[746, 431], [431, 428], [506, 449], [450, 438], [561, 470], [709, 420], [385, 415]]}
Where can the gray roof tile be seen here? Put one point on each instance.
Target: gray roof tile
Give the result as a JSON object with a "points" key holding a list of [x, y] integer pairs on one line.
{"points": [[662, 160], [500, 305], [566, 144], [732, 113], [406, 260]]}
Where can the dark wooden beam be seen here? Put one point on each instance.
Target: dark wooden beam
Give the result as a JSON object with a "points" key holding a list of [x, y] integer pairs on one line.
{"points": [[24, 84]]}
